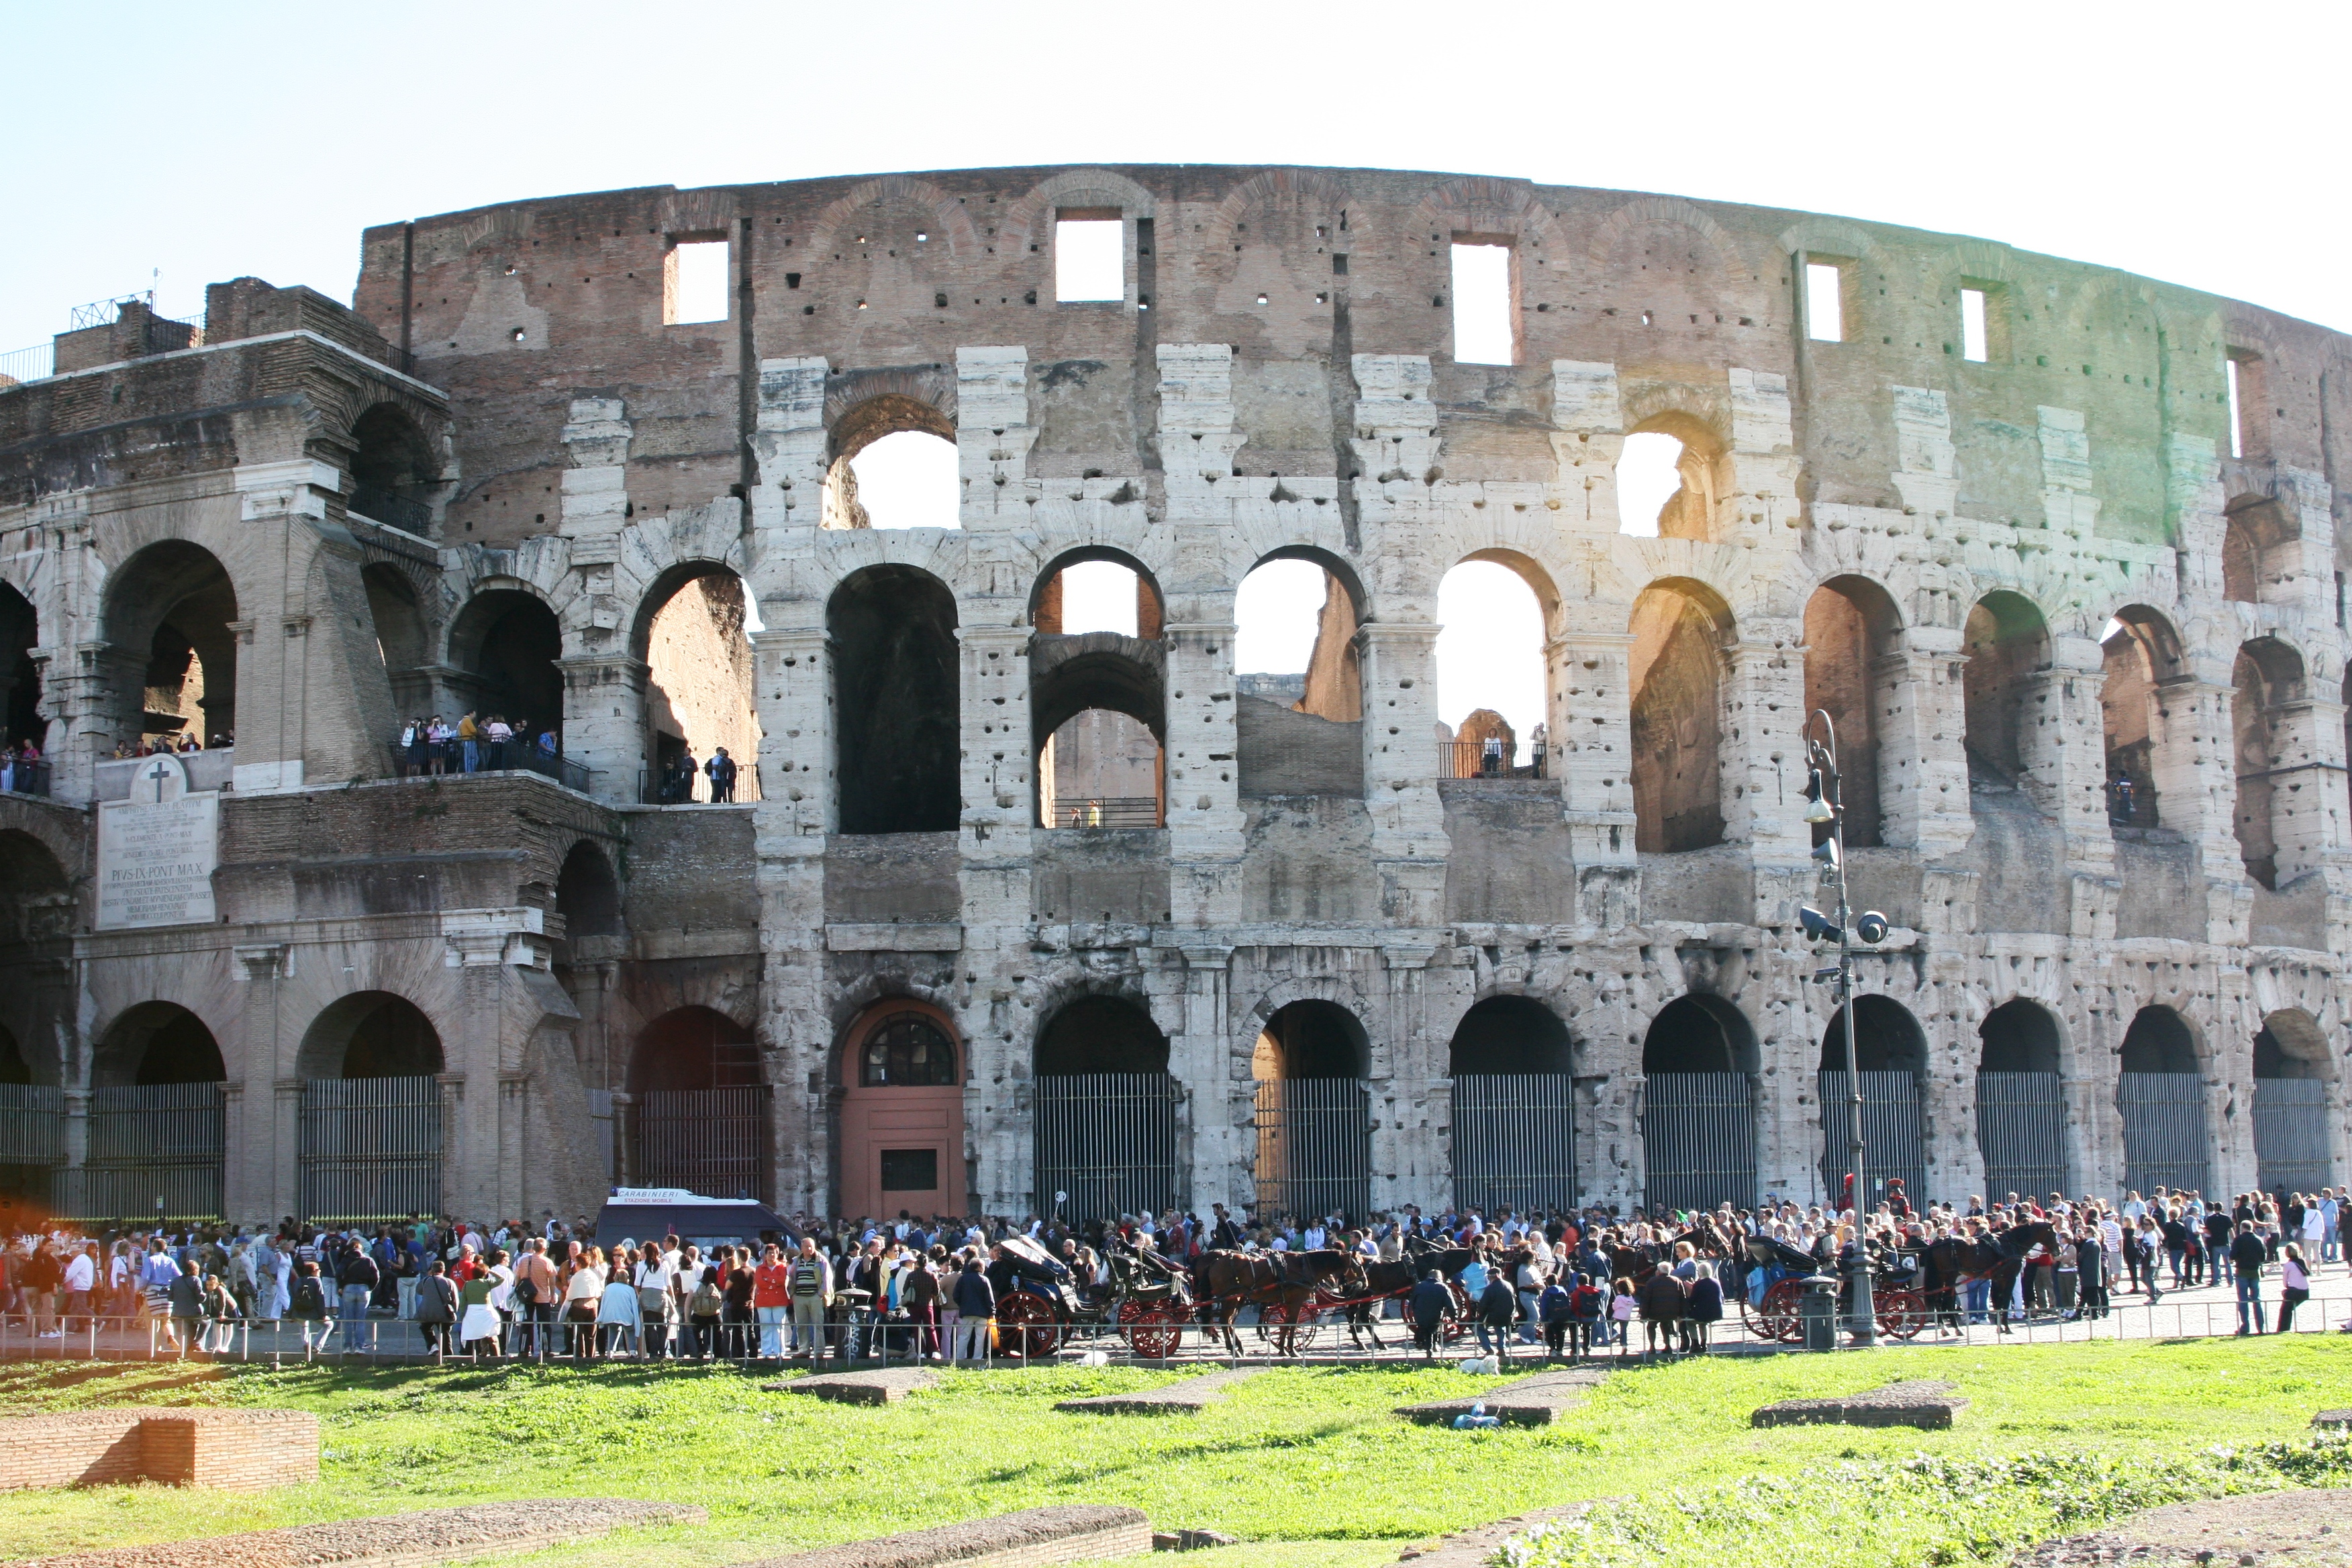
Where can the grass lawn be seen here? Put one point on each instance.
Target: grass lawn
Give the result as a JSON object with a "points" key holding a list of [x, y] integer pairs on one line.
{"points": [[1306, 1464]]}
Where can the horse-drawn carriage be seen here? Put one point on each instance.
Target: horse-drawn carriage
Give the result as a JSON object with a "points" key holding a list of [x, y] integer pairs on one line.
{"points": [[1038, 1304], [1771, 1305]]}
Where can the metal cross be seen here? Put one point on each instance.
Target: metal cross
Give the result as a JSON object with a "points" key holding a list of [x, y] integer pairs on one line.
{"points": [[159, 773]]}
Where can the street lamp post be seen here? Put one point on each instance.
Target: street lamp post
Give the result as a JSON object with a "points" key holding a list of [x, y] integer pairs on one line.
{"points": [[1827, 808]]}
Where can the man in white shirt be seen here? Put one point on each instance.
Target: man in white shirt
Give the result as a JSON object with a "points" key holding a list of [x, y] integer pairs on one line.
{"points": [[82, 1277], [1313, 1239]]}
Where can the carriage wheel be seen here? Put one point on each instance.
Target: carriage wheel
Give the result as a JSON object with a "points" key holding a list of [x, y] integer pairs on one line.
{"points": [[1025, 1325], [1901, 1313], [1782, 1316], [1306, 1317], [1157, 1330]]}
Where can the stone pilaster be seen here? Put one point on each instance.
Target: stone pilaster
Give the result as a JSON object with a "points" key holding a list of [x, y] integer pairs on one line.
{"points": [[1400, 685]]}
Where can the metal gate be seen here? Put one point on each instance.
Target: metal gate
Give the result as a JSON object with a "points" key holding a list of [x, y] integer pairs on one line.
{"points": [[709, 1140], [1514, 1140], [32, 1124], [2165, 1143], [1314, 1147], [155, 1153], [2291, 1135], [1698, 1141], [1108, 1140], [370, 1149], [1890, 1135], [2022, 1129]]}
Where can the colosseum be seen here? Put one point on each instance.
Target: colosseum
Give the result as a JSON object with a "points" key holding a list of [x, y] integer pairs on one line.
{"points": [[1013, 911]]}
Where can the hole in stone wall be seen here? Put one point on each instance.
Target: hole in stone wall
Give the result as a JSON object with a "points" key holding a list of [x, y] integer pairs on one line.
{"points": [[1973, 343], [1679, 630], [696, 646], [1089, 256], [1825, 301], [908, 478], [1648, 477], [1484, 329], [694, 282]]}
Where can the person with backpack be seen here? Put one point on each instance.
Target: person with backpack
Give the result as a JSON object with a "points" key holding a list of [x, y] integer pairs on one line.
{"points": [[975, 1301], [533, 1295], [1498, 1309], [1551, 1310], [703, 1310], [437, 1311], [1586, 1300], [358, 1276], [307, 1305]]}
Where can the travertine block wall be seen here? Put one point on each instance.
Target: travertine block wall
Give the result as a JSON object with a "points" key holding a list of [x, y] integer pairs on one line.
{"points": [[1279, 379]]}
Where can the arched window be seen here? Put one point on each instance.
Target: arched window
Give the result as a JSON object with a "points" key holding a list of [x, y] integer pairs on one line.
{"points": [[372, 1033], [1891, 1049], [504, 645], [20, 677], [2160, 1094], [372, 1128], [1850, 625], [2021, 1102], [2257, 547], [588, 896], [895, 464], [394, 476], [1698, 1116], [2265, 678], [896, 706], [2007, 646], [2138, 653], [1679, 629], [1314, 1142], [695, 637], [1671, 472], [156, 1043], [1105, 1113], [907, 1052], [169, 611], [1298, 705], [1098, 701], [1491, 677], [1097, 590]]}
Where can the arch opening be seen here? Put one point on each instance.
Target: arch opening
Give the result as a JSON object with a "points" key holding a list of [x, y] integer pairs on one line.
{"points": [[1299, 693], [2160, 1094], [1105, 1121], [1680, 629], [2266, 677], [2021, 1101], [1890, 1054], [170, 615], [395, 477], [1101, 768], [1850, 623], [2018, 1035], [36, 900], [157, 1128], [1671, 473], [20, 677], [402, 641], [504, 646], [2291, 1044], [1491, 677], [2008, 645], [588, 896], [1313, 1114], [2291, 1070], [154, 1044], [695, 637], [1699, 1058], [896, 707], [901, 1112], [1098, 589], [371, 1035], [895, 464], [698, 1110], [1514, 1107], [371, 1111], [2257, 548], [2139, 653]]}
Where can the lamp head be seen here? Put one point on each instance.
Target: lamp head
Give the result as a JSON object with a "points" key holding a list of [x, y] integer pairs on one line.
{"points": [[1818, 810], [1826, 853], [1817, 926], [1870, 927]]}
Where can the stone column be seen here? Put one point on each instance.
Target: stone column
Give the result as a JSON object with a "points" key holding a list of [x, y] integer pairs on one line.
{"points": [[1223, 1150], [248, 1175], [1203, 768], [1592, 746], [2307, 800], [1409, 1101], [2195, 767], [286, 504], [1762, 767], [1409, 843], [604, 719], [1924, 792], [604, 680]]}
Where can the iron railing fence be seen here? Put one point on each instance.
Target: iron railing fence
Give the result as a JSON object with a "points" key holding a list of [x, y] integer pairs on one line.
{"points": [[21, 777], [2022, 1129], [1107, 811], [392, 509], [1892, 1145], [1314, 1147], [2291, 1135], [714, 1142], [695, 788], [1478, 760], [37, 362], [32, 1124], [1698, 1137], [370, 1150], [2165, 1141], [1515, 1141], [155, 1153], [1108, 1140]]}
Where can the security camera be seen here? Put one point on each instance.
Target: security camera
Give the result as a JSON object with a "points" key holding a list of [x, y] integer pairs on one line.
{"points": [[1870, 926]]}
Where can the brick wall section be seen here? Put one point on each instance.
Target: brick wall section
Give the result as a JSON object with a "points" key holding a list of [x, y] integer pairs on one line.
{"points": [[245, 1450], [1070, 1533]]}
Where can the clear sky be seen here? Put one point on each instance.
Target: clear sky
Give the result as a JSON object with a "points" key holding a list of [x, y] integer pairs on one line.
{"points": [[177, 145]]}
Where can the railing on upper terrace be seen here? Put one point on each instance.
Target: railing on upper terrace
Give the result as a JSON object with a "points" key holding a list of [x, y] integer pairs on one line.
{"points": [[694, 787], [1107, 811], [520, 758], [36, 363], [391, 510], [1476, 759], [20, 777]]}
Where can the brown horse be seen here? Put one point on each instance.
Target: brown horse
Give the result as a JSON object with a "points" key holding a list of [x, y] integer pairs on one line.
{"points": [[1281, 1284]]}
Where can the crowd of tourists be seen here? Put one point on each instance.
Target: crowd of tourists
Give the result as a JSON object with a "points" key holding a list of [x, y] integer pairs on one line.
{"points": [[168, 742], [472, 746], [20, 767], [924, 1289]]}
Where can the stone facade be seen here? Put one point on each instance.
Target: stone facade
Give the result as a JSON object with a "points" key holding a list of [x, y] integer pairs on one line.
{"points": [[479, 487]]}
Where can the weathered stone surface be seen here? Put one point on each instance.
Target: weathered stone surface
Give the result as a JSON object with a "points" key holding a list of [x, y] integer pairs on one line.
{"points": [[1476, 1547], [394, 1540], [1922, 1403], [2332, 1418], [885, 1385], [1066, 1533], [1190, 1394], [1536, 1401], [2295, 1528], [1191, 1540]]}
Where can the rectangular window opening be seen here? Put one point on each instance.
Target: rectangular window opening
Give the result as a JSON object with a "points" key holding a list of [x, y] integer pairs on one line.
{"points": [[2249, 405], [693, 282], [910, 1169], [1484, 328], [1089, 256], [1973, 343], [2237, 418], [1824, 303]]}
